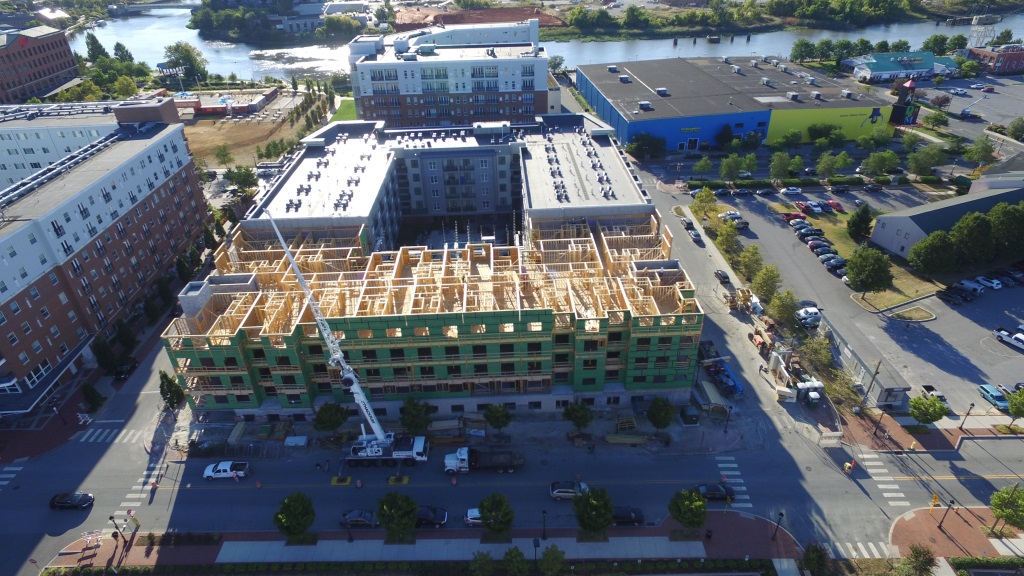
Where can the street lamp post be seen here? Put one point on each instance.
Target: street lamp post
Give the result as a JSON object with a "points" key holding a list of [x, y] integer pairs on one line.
{"points": [[536, 544], [964, 421], [777, 523], [348, 527], [728, 415], [878, 422], [544, 531], [948, 508], [62, 419], [117, 529]]}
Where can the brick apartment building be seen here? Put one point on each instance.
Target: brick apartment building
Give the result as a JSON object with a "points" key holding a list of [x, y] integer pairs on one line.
{"points": [[33, 62]]}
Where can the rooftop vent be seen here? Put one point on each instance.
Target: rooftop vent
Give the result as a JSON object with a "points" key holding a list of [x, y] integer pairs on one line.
{"points": [[736, 69], [846, 94], [784, 68], [753, 63], [644, 105], [613, 68], [624, 78], [766, 81], [661, 91], [775, 63], [816, 95], [793, 95], [725, 59], [810, 80]]}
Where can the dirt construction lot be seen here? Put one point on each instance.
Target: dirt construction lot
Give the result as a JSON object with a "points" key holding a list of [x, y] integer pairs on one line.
{"points": [[205, 135], [417, 17]]}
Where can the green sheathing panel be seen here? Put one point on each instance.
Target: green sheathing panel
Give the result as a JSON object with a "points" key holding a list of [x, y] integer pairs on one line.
{"points": [[446, 356]]}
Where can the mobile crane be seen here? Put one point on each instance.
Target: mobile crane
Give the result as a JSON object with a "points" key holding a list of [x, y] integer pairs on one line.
{"points": [[966, 113], [379, 448]]}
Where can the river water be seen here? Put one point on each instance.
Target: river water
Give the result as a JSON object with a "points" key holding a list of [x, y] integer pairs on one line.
{"points": [[146, 35]]}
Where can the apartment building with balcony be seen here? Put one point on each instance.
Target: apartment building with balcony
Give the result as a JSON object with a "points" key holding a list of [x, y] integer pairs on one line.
{"points": [[84, 238], [452, 76]]}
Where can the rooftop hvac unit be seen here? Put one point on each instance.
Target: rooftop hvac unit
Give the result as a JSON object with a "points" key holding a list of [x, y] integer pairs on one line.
{"points": [[644, 105], [784, 68], [735, 69], [793, 95], [624, 78], [766, 81], [846, 94], [775, 63], [764, 58], [725, 59], [816, 95], [661, 91], [810, 80], [613, 68], [753, 63]]}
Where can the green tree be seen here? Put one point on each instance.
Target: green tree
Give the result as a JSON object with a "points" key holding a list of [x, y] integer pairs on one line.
{"points": [[208, 238], [878, 138], [802, 50], [936, 120], [219, 228], [956, 42], [124, 88], [981, 151], [482, 564], [972, 238], [923, 161], [704, 202], [1016, 406], [750, 162], [869, 270], [843, 160], [859, 224], [878, 163], [1015, 129], [1008, 505], [940, 101], [1007, 227], [555, 64], [920, 562], [397, 514], [170, 392], [295, 84], [778, 166], [837, 139], [515, 563], [644, 145], [702, 166], [911, 140], [498, 416], [730, 167], [122, 53], [728, 239], [935, 254], [816, 560], [660, 413], [579, 414], [329, 417], [796, 165], [750, 262], [244, 177], [94, 49], [936, 44], [183, 268], [724, 136], [900, 46], [766, 283], [125, 336], [783, 306], [970, 69], [927, 409], [1004, 37], [817, 352], [552, 561], [496, 514], [790, 139], [415, 416], [295, 515], [689, 508], [826, 165], [189, 58], [222, 152], [593, 510]]}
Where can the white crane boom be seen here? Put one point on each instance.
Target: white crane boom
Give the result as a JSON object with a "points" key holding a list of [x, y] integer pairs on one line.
{"points": [[348, 375]]}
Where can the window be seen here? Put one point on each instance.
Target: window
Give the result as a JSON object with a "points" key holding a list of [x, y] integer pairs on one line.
{"points": [[15, 308], [13, 339], [3, 319], [34, 293], [26, 327]]}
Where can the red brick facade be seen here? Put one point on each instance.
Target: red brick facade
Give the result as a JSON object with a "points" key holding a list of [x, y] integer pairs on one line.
{"points": [[33, 62]]}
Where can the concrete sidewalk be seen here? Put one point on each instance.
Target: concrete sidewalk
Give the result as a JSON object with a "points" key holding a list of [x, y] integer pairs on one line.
{"points": [[732, 536]]}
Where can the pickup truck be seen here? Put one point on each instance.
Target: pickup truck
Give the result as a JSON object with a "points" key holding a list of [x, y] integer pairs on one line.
{"points": [[227, 469], [935, 393], [466, 459], [1007, 337]]}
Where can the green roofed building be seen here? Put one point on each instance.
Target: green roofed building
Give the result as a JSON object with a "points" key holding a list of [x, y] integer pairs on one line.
{"points": [[873, 68]]}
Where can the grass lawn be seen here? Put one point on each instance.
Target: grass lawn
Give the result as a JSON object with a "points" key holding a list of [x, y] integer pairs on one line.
{"points": [[906, 286], [915, 313], [346, 111]]}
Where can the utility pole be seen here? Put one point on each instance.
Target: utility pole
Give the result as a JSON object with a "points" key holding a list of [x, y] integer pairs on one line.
{"points": [[871, 384]]}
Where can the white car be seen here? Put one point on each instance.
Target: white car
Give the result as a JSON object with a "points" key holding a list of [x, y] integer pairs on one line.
{"points": [[792, 191], [730, 215], [977, 86], [815, 207], [743, 174], [473, 517], [809, 317], [989, 282], [958, 91]]}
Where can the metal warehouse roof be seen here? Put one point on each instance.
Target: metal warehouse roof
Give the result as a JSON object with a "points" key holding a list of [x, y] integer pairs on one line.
{"points": [[709, 86]]}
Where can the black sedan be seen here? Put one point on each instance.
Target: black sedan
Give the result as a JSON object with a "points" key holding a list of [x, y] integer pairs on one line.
{"points": [[948, 297], [125, 370], [722, 276], [431, 516], [716, 491], [626, 516], [357, 518], [72, 501]]}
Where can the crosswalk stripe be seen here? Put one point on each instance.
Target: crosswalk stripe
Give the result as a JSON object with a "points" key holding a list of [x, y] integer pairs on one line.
{"points": [[13, 468], [866, 456], [730, 472], [130, 504], [724, 465], [863, 550], [852, 552], [7, 475], [879, 471], [121, 435], [725, 457], [839, 552], [741, 505], [883, 478], [741, 497], [874, 553], [739, 488], [893, 495], [898, 503], [888, 486]]}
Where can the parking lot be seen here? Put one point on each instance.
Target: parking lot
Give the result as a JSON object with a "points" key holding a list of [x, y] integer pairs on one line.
{"points": [[955, 352]]}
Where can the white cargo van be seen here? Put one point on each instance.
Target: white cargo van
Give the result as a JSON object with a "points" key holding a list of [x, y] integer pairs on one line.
{"points": [[972, 287]]}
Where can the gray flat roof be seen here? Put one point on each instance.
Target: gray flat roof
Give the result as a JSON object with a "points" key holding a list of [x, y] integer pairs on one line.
{"points": [[709, 86], [442, 53], [99, 165]]}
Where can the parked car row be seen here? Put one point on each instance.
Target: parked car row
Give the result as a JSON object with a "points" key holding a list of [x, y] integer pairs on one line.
{"points": [[970, 288], [817, 243]]}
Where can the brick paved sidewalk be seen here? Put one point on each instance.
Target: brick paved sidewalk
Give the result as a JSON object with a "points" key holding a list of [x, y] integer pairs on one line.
{"points": [[734, 536], [960, 534], [874, 433]]}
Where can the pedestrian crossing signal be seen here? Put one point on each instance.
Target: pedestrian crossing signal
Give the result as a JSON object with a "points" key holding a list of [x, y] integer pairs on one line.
{"points": [[935, 499]]}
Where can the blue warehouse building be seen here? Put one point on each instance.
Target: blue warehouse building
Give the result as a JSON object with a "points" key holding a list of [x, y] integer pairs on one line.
{"points": [[689, 102]]}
